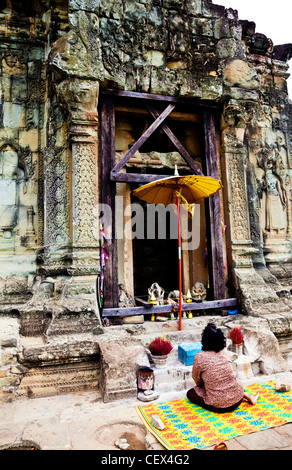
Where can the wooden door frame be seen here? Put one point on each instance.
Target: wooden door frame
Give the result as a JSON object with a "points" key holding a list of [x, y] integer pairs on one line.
{"points": [[110, 174]]}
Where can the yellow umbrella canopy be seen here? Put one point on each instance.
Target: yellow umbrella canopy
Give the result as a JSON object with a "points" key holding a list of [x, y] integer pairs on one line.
{"points": [[190, 189]]}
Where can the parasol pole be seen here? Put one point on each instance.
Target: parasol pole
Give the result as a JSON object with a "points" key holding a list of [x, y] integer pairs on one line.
{"points": [[179, 261]]}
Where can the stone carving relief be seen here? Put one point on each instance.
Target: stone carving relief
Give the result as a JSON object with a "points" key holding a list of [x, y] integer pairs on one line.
{"points": [[25, 162], [9, 173], [235, 115], [80, 97], [261, 44], [240, 225], [85, 195], [16, 218], [275, 199], [79, 51], [56, 198], [271, 186], [239, 116]]}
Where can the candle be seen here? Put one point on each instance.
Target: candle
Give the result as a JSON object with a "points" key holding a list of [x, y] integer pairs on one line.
{"points": [[189, 298], [152, 299]]}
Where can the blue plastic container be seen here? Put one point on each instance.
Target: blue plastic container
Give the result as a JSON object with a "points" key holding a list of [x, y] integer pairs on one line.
{"points": [[187, 352]]}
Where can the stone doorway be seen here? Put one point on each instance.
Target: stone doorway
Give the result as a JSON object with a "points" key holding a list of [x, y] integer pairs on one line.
{"points": [[143, 138]]}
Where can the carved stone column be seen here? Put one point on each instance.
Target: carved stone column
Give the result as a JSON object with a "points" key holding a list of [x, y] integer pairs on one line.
{"points": [[241, 243], [71, 253], [235, 162], [251, 288], [81, 98]]}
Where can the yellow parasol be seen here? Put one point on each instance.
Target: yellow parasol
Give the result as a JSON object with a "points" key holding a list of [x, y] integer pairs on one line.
{"points": [[180, 190]]}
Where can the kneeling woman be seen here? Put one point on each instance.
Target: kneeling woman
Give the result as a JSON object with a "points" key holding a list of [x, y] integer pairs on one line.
{"points": [[217, 388]]}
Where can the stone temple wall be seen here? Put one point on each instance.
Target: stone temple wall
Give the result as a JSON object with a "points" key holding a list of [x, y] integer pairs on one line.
{"points": [[55, 56]]}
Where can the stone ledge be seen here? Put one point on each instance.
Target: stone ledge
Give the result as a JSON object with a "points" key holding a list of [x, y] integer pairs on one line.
{"points": [[46, 381], [58, 350], [279, 323]]}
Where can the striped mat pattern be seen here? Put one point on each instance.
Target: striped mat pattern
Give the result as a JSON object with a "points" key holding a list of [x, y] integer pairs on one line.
{"points": [[188, 426]]}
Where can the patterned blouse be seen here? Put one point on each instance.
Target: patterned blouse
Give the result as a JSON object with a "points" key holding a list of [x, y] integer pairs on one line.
{"points": [[215, 379]]}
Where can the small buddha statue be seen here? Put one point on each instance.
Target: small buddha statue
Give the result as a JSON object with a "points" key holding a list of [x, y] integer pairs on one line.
{"points": [[199, 292], [156, 292]]}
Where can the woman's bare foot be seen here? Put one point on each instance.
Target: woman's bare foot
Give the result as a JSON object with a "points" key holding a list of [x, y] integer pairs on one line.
{"points": [[282, 387], [252, 399]]}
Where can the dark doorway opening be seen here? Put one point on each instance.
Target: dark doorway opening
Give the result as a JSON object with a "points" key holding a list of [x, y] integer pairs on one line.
{"points": [[155, 260]]}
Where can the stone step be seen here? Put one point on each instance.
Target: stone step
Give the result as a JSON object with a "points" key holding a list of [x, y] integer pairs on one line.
{"points": [[174, 377], [191, 329]]}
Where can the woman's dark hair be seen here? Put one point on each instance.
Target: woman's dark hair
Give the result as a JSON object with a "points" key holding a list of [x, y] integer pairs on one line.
{"points": [[213, 338]]}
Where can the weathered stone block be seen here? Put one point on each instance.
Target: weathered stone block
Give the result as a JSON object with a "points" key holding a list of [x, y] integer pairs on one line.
{"points": [[155, 17], [238, 93], [156, 58], [120, 361], [8, 343], [59, 350], [18, 369], [236, 31], [87, 5], [13, 115], [18, 87], [194, 7], [9, 331], [242, 74], [29, 138], [222, 28], [135, 12], [212, 11], [8, 357], [156, 38], [173, 4], [190, 86], [262, 346], [111, 9], [201, 27], [6, 382], [177, 23], [212, 89], [267, 439], [35, 323], [163, 81], [230, 48], [22, 266]]}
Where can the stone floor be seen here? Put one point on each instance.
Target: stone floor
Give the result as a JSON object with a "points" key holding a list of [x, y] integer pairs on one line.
{"points": [[82, 421]]}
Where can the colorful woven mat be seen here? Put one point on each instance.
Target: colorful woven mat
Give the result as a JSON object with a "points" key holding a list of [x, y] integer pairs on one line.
{"points": [[188, 426]]}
